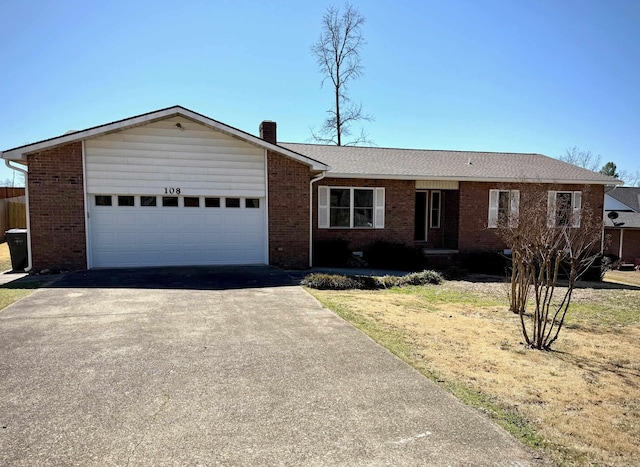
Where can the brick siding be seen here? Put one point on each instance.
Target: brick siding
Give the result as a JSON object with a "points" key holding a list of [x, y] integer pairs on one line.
{"points": [[56, 204], [288, 212], [474, 208], [630, 244], [399, 213]]}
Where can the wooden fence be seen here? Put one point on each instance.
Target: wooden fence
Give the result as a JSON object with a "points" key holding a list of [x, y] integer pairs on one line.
{"points": [[13, 214], [10, 192]]}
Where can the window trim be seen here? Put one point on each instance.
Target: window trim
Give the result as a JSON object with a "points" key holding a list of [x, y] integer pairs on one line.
{"points": [[324, 207], [122, 198], [431, 209], [234, 198], [494, 207], [576, 208], [103, 197]]}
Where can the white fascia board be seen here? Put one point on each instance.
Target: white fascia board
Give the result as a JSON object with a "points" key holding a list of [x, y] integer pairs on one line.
{"points": [[20, 153], [472, 179]]}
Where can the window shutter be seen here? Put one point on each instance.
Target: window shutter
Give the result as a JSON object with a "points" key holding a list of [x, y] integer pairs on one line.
{"points": [[515, 208], [577, 206], [551, 209], [494, 196], [379, 208], [323, 207]]}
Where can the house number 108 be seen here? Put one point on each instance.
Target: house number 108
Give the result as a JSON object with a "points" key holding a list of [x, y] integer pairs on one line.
{"points": [[172, 191]]}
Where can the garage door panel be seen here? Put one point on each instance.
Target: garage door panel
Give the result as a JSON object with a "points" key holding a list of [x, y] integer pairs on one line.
{"points": [[156, 236]]}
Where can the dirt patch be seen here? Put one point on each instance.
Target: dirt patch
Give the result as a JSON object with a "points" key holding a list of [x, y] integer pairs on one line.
{"points": [[582, 398]]}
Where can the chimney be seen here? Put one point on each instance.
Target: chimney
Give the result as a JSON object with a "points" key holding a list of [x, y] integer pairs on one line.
{"points": [[268, 131]]}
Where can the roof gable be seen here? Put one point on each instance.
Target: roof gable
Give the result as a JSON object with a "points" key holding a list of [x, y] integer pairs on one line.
{"points": [[20, 153], [629, 196]]}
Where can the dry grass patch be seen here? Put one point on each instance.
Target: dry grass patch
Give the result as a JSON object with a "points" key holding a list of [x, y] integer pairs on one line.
{"points": [[5, 259], [623, 277], [11, 292], [582, 400]]}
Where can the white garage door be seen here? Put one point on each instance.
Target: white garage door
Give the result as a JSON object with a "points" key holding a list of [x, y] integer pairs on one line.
{"points": [[139, 230]]}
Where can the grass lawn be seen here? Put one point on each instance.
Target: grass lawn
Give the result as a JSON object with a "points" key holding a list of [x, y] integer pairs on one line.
{"points": [[11, 292], [623, 277], [579, 402]]}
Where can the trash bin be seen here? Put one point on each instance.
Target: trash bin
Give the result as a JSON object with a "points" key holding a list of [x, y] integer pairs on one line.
{"points": [[18, 248]]}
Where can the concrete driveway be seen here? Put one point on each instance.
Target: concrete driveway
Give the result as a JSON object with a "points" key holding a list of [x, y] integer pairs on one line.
{"points": [[176, 367]]}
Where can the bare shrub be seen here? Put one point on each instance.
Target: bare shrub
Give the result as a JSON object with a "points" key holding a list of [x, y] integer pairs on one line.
{"points": [[553, 235]]}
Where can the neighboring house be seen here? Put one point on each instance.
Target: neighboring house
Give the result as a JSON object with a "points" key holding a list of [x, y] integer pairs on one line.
{"points": [[622, 223], [173, 187]]}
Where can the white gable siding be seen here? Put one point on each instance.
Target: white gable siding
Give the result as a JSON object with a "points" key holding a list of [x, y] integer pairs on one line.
{"points": [[198, 160]]}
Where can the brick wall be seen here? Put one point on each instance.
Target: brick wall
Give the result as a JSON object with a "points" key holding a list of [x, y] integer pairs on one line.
{"points": [[288, 212], [474, 209], [630, 244], [612, 241], [56, 203], [399, 213]]}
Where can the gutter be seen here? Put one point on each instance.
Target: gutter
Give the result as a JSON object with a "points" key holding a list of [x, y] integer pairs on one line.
{"points": [[311, 182], [7, 162]]}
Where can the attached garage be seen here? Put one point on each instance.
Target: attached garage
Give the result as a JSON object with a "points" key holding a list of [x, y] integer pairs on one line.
{"points": [[166, 188], [175, 192]]}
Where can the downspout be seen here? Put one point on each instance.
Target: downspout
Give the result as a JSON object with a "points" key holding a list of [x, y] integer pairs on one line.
{"points": [[607, 189], [7, 162], [620, 247], [313, 180]]}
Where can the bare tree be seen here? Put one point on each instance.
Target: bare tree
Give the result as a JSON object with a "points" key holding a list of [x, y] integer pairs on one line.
{"points": [[630, 178], [584, 159], [337, 53], [550, 240]]}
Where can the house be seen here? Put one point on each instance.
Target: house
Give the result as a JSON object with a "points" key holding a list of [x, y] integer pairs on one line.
{"points": [[174, 187], [622, 224]]}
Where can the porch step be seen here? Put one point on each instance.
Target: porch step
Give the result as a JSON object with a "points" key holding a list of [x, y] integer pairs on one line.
{"points": [[438, 252]]}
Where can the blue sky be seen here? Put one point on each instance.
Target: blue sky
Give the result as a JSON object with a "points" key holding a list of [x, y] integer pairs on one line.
{"points": [[488, 75]]}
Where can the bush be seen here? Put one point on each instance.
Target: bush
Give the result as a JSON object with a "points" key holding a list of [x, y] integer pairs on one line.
{"points": [[331, 253], [486, 262], [454, 273], [323, 281], [390, 255], [595, 272], [388, 282], [330, 282], [421, 278]]}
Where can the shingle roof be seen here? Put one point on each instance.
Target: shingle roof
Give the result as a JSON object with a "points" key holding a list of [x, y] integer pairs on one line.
{"points": [[627, 195], [357, 161]]}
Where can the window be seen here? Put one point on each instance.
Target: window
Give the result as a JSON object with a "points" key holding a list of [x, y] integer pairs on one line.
{"points": [[191, 202], [343, 207], [148, 201], [436, 202], [503, 208], [340, 207], [362, 208], [103, 200], [252, 203], [126, 201], [170, 201], [563, 208], [212, 202], [232, 202]]}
